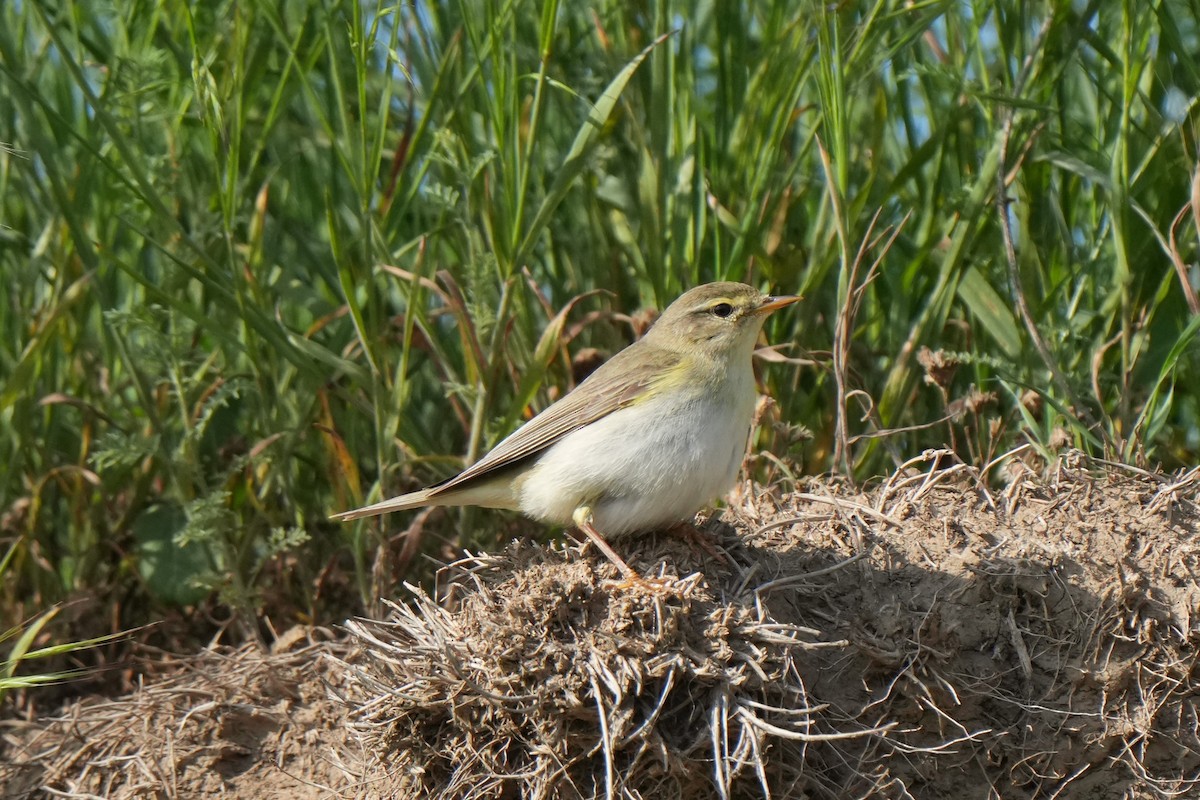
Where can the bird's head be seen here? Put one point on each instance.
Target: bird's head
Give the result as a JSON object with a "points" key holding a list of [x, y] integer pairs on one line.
{"points": [[716, 318]]}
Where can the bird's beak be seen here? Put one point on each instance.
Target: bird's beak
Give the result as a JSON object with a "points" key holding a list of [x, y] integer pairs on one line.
{"points": [[776, 302]]}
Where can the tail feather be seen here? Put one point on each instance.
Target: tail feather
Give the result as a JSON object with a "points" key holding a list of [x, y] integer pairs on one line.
{"points": [[404, 501], [497, 492]]}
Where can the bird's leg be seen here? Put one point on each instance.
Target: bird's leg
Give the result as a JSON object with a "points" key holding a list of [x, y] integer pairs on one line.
{"points": [[583, 521], [631, 578], [698, 540]]}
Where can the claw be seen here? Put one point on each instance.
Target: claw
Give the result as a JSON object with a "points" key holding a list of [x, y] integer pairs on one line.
{"points": [[699, 541], [630, 579], [657, 586], [583, 519]]}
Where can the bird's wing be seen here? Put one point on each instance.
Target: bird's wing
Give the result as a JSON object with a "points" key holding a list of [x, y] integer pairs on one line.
{"points": [[615, 385]]}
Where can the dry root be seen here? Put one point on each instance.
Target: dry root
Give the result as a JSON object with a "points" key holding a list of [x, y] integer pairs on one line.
{"points": [[544, 682], [935, 637]]}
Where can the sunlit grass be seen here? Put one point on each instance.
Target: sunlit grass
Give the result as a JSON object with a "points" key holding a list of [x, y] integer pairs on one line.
{"points": [[263, 262]]}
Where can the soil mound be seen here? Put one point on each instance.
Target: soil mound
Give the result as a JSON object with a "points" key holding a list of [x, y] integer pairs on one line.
{"points": [[929, 638]]}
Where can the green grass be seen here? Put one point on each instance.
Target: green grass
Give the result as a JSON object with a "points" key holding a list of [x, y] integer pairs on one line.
{"points": [[264, 261]]}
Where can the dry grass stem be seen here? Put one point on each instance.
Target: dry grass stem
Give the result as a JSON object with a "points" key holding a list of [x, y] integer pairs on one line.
{"points": [[1037, 639]]}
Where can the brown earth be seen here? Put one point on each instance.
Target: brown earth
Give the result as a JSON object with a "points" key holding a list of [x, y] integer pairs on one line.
{"points": [[929, 638]]}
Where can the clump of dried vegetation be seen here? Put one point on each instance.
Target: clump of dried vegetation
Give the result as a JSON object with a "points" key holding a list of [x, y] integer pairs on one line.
{"points": [[927, 637], [546, 674]]}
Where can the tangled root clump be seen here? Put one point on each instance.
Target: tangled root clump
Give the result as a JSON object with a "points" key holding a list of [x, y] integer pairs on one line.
{"points": [[542, 676], [933, 636]]}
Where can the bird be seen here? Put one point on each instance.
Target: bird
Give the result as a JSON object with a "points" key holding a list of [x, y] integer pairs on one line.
{"points": [[651, 437]]}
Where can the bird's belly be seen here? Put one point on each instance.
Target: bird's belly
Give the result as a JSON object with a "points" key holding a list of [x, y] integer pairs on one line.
{"points": [[642, 467]]}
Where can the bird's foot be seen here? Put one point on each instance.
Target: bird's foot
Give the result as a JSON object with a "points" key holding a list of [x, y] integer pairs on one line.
{"points": [[656, 586], [630, 579], [699, 541]]}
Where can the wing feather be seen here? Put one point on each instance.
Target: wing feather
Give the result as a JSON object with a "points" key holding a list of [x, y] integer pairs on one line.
{"points": [[615, 385]]}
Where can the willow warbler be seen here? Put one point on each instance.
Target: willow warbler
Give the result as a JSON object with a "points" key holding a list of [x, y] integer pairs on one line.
{"points": [[644, 442]]}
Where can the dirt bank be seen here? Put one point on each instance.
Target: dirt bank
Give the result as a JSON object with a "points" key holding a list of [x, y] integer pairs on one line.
{"points": [[926, 638]]}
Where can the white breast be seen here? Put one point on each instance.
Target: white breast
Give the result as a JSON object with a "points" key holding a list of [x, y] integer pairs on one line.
{"points": [[643, 467]]}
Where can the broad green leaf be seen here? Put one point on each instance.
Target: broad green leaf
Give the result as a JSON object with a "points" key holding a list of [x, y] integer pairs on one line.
{"points": [[995, 315]]}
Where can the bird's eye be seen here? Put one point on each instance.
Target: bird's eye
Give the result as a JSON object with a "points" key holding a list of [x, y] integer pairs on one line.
{"points": [[722, 310]]}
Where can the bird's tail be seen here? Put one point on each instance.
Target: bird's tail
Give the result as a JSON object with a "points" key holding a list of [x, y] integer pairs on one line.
{"points": [[404, 501]]}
